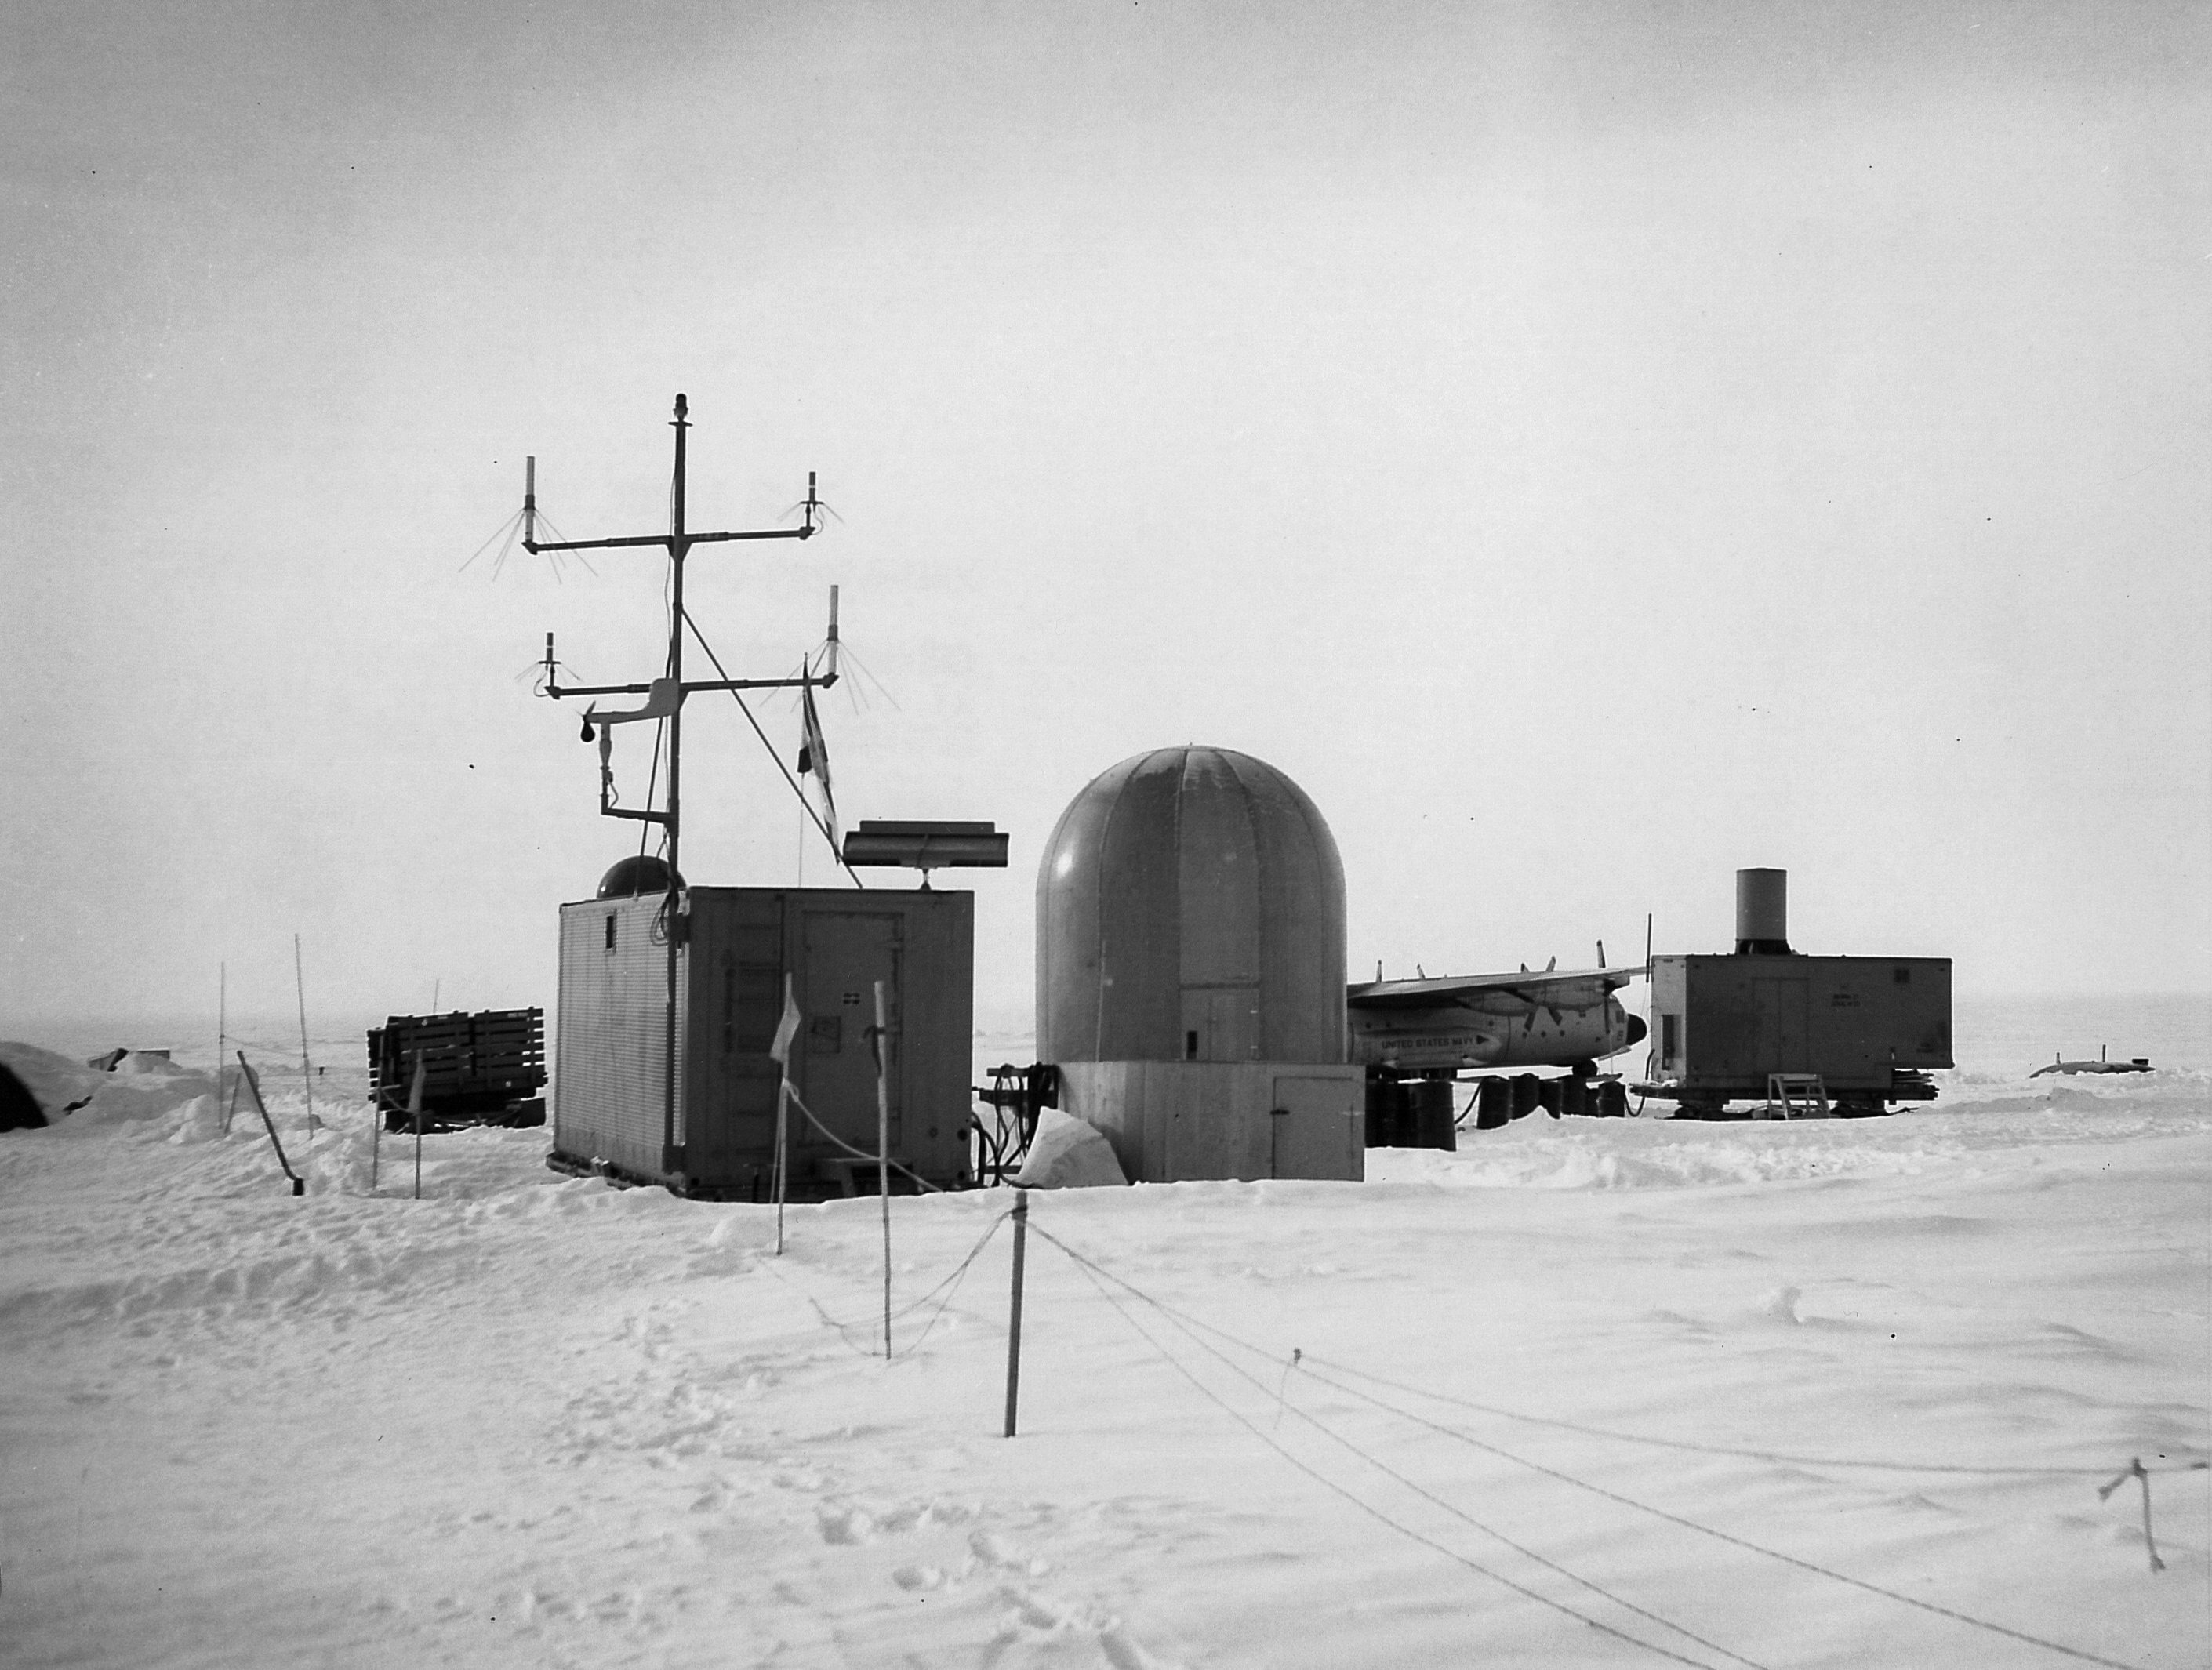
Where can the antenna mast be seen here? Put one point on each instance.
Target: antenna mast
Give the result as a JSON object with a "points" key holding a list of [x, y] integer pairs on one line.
{"points": [[665, 700]]}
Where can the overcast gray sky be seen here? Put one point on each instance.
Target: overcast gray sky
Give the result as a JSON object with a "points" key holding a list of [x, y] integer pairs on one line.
{"points": [[1590, 448]]}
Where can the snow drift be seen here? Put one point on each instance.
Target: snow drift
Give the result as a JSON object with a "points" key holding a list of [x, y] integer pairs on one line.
{"points": [[1586, 1393]]}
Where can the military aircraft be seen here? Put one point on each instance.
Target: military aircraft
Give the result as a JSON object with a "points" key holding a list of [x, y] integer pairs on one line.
{"points": [[1553, 1018]]}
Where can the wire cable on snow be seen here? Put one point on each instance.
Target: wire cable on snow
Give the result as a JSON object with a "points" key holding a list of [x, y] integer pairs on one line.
{"points": [[920, 1182], [1306, 1359], [951, 1280], [1098, 1276], [1780, 1457], [1707, 1530]]}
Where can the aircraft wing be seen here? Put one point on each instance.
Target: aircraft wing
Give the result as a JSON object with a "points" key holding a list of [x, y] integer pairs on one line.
{"points": [[1570, 987]]}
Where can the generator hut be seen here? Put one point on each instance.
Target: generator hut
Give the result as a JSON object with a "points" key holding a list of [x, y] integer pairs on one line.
{"points": [[736, 948], [1797, 1034]]}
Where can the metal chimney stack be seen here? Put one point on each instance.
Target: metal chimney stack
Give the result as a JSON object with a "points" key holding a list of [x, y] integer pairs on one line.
{"points": [[1762, 913]]}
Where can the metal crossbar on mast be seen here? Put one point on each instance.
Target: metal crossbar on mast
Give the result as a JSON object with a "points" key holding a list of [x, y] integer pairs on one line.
{"points": [[677, 543]]}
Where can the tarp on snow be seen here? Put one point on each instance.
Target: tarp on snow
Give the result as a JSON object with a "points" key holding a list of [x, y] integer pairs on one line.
{"points": [[1065, 1153]]}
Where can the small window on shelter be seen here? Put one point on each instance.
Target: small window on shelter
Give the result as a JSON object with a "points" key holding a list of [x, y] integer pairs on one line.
{"points": [[610, 930]]}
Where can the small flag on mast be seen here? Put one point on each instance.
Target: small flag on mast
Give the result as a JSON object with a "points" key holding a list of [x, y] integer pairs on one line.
{"points": [[814, 758], [787, 1028]]}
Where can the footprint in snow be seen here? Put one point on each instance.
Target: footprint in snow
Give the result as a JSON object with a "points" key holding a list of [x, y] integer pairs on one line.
{"points": [[847, 1526], [996, 1550], [1041, 1615]]}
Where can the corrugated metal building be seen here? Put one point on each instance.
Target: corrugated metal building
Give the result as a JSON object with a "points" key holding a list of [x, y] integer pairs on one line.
{"points": [[739, 944]]}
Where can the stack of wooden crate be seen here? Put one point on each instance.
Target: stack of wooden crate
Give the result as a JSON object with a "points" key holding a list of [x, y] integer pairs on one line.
{"points": [[481, 1068]]}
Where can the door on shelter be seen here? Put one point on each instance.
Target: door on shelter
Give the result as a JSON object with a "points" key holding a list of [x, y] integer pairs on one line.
{"points": [[847, 951], [1782, 1025], [1318, 1132], [1220, 1023]]}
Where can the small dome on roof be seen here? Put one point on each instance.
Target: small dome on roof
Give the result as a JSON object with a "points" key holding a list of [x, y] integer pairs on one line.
{"points": [[633, 876]]}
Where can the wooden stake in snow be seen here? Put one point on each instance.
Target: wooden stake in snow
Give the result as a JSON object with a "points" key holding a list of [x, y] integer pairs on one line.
{"points": [[306, 1073], [299, 1183], [1014, 1322], [222, 1035], [884, 1154], [415, 1108], [782, 1147], [786, 1032]]}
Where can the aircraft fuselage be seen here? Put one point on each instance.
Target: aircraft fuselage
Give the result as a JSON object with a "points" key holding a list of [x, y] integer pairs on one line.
{"points": [[1570, 1022]]}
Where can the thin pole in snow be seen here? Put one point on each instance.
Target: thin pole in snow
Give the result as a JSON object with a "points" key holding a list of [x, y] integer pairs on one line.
{"points": [[1014, 1322], [782, 1161], [221, 1031], [884, 1154], [415, 1107], [306, 1073]]}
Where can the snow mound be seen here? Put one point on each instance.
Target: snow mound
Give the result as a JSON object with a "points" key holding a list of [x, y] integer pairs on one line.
{"points": [[1993, 1120], [78, 1099], [1594, 1154], [199, 1120], [54, 1080]]}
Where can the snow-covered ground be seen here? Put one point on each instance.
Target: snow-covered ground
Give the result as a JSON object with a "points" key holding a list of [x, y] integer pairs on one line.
{"points": [[1585, 1392]]}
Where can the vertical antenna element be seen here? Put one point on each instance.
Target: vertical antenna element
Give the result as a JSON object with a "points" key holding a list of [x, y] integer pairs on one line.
{"points": [[530, 501], [306, 1073], [883, 1047], [813, 502], [833, 630]]}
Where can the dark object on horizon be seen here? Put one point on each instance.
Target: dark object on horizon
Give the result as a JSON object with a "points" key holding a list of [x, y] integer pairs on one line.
{"points": [[2102, 1064], [479, 1069], [1869, 1028], [106, 1060], [1409, 1112], [19, 1108], [925, 845], [635, 876]]}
